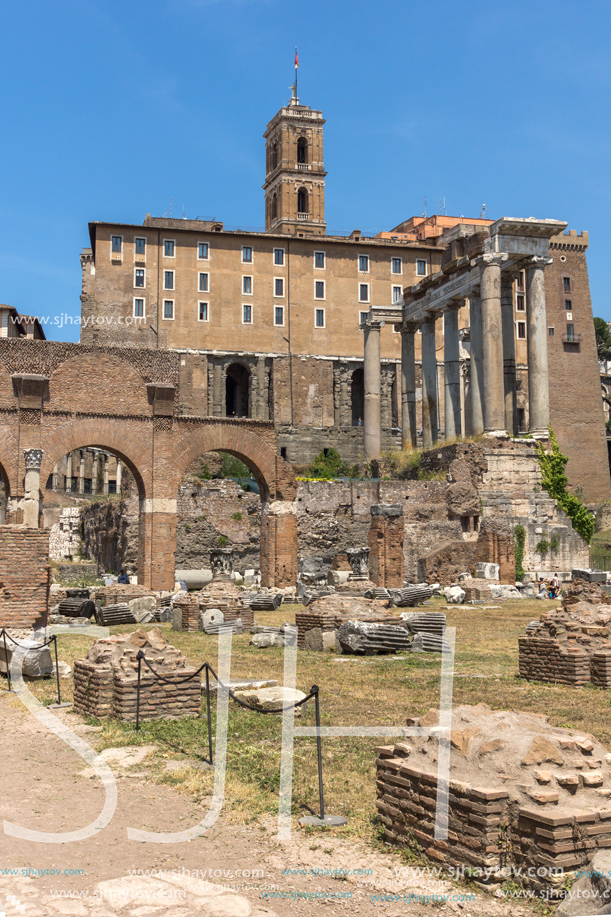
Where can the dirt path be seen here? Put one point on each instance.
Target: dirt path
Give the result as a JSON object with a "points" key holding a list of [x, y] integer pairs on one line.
{"points": [[314, 873]]}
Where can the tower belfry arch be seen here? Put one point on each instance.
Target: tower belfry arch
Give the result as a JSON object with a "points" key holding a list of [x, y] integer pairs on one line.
{"points": [[295, 173]]}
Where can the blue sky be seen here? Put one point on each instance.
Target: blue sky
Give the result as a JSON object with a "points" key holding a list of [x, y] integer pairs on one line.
{"points": [[110, 109]]}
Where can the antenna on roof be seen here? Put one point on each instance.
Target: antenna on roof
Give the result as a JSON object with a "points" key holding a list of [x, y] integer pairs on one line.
{"points": [[168, 212], [482, 214], [424, 214], [442, 206]]}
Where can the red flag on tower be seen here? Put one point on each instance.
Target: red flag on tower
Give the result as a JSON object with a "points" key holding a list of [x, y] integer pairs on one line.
{"points": [[296, 59]]}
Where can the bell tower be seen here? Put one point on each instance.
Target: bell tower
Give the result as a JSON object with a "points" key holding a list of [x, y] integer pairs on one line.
{"points": [[294, 171]]}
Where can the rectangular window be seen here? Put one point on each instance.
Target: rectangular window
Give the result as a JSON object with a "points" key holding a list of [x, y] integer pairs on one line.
{"points": [[364, 263], [363, 292], [570, 332], [247, 315], [168, 248], [279, 315], [319, 260], [279, 256], [421, 268], [203, 283], [139, 277], [278, 286], [140, 246], [168, 308], [139, 308], [520, 282], [362, 317], [568, 305], [396, 265], [319, 289], [117, 243], [520, 302], [247, 285], [319, 318], [168, 280], [202, 251], [247, 254], [567, 284], [550, 331], [521, 331], [203, 313], [396, 294]]}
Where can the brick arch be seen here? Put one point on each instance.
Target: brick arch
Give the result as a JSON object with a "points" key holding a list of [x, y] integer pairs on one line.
{"points": [[117, 385], [125, 440], [273, 475]]}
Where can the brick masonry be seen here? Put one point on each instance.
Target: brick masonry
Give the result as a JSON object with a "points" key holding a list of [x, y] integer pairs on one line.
{"points": [[25, 577]]}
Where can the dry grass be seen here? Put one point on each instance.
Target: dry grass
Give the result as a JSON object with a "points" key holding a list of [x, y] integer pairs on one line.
{"points": [[354, 691]]}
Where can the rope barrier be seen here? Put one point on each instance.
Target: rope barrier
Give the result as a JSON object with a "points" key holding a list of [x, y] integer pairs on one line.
{"points": [[37, 646]]}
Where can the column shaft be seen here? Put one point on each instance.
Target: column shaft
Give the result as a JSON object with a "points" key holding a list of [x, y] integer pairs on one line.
{"points": [[453, 425], [262, 399], [372, 419], [476, 369], [217, 393], [536, 332], [492, 346], [430, 431], [509, 354], [408, 387]]}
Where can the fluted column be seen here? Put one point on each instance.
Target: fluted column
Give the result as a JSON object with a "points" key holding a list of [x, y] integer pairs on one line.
{"points": [[509, 353], [451, 357], [81, 472], [536, 334], [95, 472], [430, 431], [408, 385], [476, 370], [372, 378], [118, 476], [492, 343]]}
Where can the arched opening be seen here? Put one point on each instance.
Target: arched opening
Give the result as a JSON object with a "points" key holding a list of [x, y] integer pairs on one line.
{"points": [[357, 395], [302, 201], [92, 509], [274, 206], [302, 150], [237, 391], [219, 505], [274, 156]]}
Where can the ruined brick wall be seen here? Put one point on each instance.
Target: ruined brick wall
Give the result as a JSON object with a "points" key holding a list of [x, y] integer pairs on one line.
{"points": [[25, 577], [100, 692], [542, 659], [110, 534], [496, 545], [386, 535]]}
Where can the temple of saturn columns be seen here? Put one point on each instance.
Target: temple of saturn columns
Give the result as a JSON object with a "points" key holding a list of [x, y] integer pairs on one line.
{"points": [[478, 270]]}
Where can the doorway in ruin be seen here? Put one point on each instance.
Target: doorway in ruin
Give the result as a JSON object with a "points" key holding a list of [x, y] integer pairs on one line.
{"points": [[4, 495], [91, 506], [357, 395], [219, 505], [237, 391]]}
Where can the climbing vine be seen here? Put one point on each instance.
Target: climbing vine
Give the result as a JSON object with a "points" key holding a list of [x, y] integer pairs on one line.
{"points": [[520, 536], [554, 480]]}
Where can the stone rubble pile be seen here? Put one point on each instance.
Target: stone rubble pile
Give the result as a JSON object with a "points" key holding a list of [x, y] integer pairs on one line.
{"points": [[572, 643]]}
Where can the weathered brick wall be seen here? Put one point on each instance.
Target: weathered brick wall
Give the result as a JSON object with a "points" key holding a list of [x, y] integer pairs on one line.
{"points": [[386, 535], [25, 577], [542, 659], [93, 689], [100, 692]]}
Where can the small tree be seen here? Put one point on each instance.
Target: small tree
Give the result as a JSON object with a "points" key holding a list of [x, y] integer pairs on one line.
{"points": [[329, 465], [603, 339]]}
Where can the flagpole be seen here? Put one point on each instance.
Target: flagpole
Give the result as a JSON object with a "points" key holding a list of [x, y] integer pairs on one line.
{"points": [[296, 67]]}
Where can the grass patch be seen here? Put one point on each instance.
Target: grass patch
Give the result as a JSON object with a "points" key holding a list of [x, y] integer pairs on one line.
{"points": [[354, 691]]}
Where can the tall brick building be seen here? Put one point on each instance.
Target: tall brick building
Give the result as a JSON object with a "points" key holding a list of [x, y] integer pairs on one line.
{"points": [[268, 322]]}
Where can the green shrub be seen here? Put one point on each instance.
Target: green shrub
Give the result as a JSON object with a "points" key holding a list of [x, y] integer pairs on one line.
{"points": [[554, 480], [520, 541], [222, 541], [328, 465], [542, 547]]}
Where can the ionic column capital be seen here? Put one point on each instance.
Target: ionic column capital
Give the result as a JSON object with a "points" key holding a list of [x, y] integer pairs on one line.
{"points": [[371, 324], [409, 327], [537, 261], [490, 259]]}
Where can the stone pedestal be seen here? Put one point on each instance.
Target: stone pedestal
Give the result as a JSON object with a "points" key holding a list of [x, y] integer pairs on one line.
{"points": [[386, 536], [358, 558]]}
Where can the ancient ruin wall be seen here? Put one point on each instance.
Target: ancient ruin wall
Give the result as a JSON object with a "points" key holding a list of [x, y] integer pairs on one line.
{"points": [[25, 577]]}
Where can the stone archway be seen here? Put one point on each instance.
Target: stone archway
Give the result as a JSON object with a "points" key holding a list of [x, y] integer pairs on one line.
{"points": [[277, 487]]}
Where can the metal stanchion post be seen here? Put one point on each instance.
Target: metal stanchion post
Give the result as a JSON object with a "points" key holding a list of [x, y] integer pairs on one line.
{"points": [[6, 659], [59, 696], [322, 820], [139, 657], [208, 715]]}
